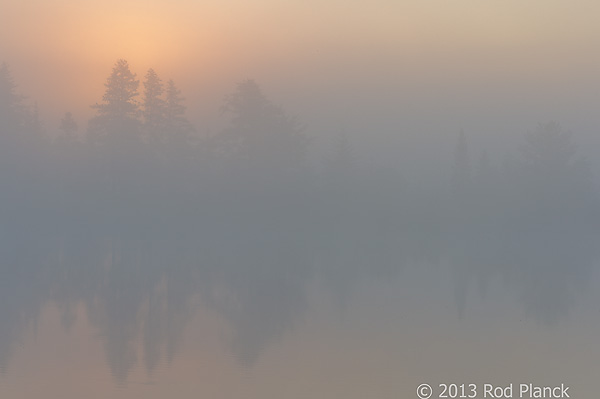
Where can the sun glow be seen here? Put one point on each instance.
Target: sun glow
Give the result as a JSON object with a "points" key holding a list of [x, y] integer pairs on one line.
{"points": [[141, 39]]}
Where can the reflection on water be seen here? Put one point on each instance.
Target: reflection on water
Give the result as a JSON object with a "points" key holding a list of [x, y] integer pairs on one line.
{"points": [[144, 298]]}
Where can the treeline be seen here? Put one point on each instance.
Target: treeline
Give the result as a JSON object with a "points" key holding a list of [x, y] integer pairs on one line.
{"points": [[140, 144], [141, 169], [139, 209]]}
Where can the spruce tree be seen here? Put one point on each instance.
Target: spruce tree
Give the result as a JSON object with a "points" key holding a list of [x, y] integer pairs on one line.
{"points": [[117, 116], [154, 105]]}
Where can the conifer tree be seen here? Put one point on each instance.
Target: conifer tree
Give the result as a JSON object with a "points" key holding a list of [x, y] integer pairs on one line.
{"points": [[154, 106], [117, 115], [12, 111]]}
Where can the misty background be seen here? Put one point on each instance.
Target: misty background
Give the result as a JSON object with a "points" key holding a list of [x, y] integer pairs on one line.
{"points": [[404, 191], [135, 213]]}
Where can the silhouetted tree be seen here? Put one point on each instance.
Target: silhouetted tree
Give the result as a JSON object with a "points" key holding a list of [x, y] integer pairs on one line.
{"points": [[175, 109], [549, 149], [115, 135], [12, 111], [154, 111], [549, 159], [117, 116], [18, 152], [68, 126], [261, 135], [556, 183], [177, 126], [35, 123]]}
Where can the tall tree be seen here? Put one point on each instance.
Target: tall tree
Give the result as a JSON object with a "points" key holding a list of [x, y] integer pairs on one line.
{"points": [[549, 160], [118, 113], [115, 133], [154, 106], [175, 109], [178, 129], [12, 111], [68, 126], [548, 148], [260, 133], [35, 122], [554, 182]]}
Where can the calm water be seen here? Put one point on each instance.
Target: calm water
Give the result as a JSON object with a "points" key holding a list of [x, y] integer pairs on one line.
{"points": [[275, 317]]}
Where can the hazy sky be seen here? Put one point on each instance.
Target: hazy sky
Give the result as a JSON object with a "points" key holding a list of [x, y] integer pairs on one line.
{"points": [[290, 274], [380, 66]]}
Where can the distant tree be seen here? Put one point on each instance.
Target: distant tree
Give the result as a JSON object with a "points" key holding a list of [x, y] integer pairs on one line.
{"points": [[115, 132], [12, 111], [175, 109], [117, 115], [35, 123], [175, 130], [260, 133], [552, 179], [175, 119], [549, 160], [549, 149], [68, 126], [154, 106]]}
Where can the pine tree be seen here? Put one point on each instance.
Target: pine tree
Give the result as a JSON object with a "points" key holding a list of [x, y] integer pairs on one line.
{"points": [[177, 127], [12, 111], [549, 148], [260, 132], [550, 165], [175, 108], [35, 122], [154, 106], [68, 126], [117, 115]]}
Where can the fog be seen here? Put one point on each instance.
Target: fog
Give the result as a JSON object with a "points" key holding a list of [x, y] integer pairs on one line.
{"points": [[384, 207]]}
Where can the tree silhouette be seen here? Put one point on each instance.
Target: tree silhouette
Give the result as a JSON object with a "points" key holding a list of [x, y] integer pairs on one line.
{"points": [[260, 134], [12, 111], [117, 116], [557, 183], [177, 126], [549, 160], [68, 126], [154, 106], [35, 123], [548, 148], [115, 135]]}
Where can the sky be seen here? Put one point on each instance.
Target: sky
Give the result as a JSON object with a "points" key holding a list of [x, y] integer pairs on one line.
{"points": [[388, 72]]}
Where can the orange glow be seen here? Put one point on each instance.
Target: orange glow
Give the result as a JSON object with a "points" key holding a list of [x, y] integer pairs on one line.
{"points": [[69, 46]]}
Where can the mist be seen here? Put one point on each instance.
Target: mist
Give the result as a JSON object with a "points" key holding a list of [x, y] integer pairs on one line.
{"points": [[351, 208]]}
